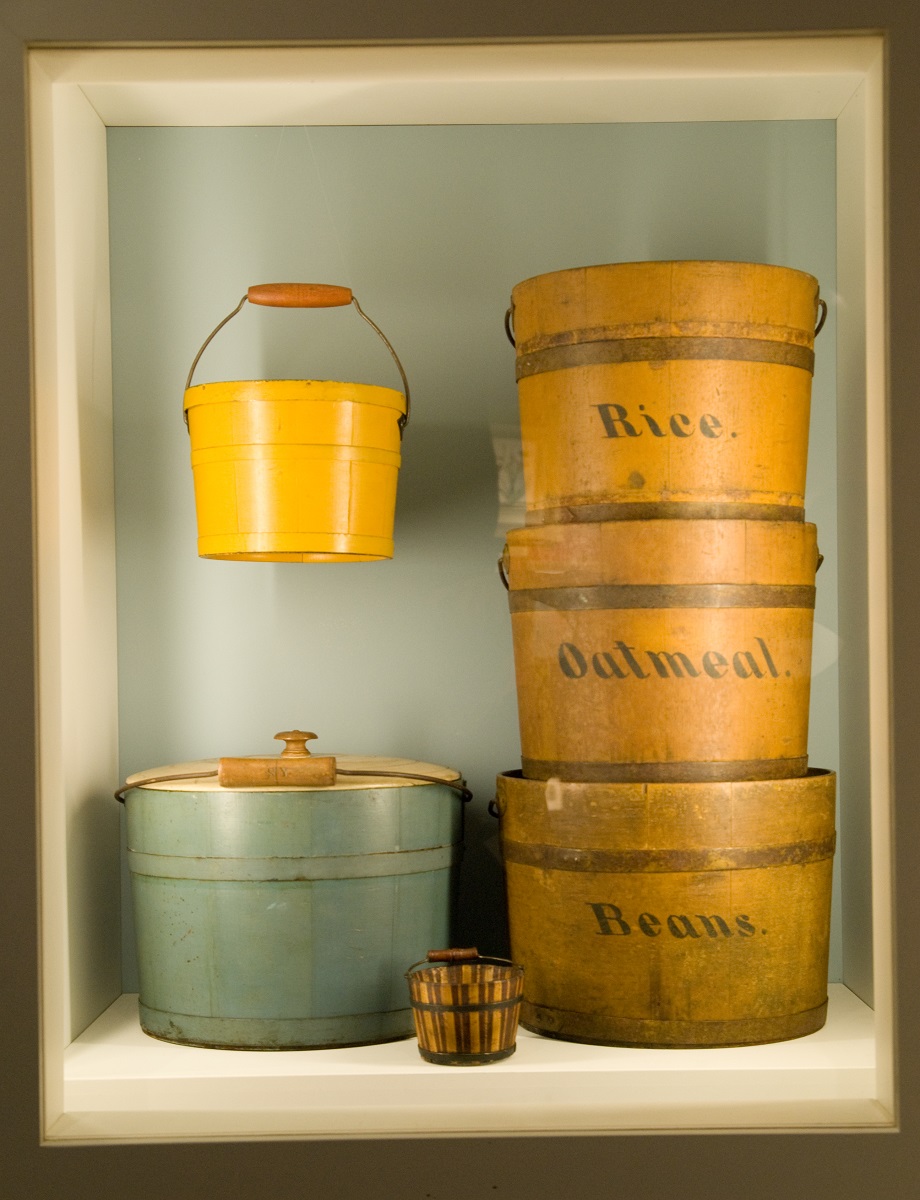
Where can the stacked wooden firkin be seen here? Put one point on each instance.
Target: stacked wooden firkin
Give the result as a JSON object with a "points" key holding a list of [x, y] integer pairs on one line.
{"points": [[668, 852]]}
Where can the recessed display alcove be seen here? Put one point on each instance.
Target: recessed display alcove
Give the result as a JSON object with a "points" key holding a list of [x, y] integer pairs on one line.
{"points": [[432, 179]]}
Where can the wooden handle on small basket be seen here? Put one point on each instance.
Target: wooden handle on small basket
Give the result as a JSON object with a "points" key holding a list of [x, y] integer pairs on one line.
{"points": [[453, 955], [299, 295]]}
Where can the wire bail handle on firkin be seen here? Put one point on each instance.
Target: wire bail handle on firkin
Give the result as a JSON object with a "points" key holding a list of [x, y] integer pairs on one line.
{"points": [[304, 295]]}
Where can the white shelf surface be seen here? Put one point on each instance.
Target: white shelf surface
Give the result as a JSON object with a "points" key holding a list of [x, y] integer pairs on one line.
{"points": [[121, 1084]]}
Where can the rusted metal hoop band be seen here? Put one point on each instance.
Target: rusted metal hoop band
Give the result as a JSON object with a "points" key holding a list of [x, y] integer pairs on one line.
{"points": [[637, 595], [663, 349], [665, 510], [742, 770], [485, 1006], [660, 861], [571, 1026]]}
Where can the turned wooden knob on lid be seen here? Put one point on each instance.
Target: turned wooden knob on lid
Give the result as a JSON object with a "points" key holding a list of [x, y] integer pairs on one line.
{"points": [[295, 743], [295, 766]]}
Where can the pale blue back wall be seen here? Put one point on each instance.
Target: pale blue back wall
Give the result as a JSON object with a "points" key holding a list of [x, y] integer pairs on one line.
{"points": [[431, 227]]}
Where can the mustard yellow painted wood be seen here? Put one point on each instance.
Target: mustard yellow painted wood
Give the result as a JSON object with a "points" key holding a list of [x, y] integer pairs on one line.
{"points": [[665, 389], [663, 650], [295, 470], [692, 914]]}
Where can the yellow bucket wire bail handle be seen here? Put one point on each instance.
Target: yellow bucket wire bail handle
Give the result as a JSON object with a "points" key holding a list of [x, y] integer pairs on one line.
{"points": [[304, 295]]}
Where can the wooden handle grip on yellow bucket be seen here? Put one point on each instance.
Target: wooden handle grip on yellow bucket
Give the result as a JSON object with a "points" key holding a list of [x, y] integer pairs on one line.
{"points": [[299, 295]]}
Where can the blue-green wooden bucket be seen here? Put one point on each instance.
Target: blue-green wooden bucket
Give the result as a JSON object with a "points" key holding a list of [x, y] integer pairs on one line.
{"points": [[282, 919]]}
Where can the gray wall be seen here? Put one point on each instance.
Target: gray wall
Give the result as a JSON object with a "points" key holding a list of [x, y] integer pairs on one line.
{"points": [[431, 227], [839, 1166]]}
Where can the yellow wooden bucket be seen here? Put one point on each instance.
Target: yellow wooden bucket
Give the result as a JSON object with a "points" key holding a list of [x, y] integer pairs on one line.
{"points": [[665, 389], [295, 470]]}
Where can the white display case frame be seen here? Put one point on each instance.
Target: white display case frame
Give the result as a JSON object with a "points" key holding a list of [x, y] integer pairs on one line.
{"points": [[103, 1081]]}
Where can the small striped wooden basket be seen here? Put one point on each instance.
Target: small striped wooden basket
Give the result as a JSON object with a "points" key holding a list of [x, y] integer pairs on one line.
{"points": [[465, 1007]]}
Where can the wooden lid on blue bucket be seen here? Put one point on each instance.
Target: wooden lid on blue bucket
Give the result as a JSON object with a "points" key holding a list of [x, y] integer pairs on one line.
{"points": [[352, 772], [294, 768]]}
